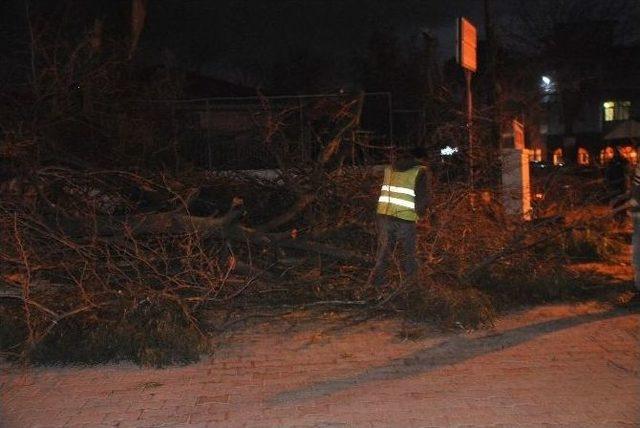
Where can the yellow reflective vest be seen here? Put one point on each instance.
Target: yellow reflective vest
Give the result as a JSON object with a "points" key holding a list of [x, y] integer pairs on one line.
{"points": [[398, 194]]}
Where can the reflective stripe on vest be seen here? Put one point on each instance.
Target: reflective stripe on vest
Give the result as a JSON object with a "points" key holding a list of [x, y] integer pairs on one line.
{"points": [[395, 189], [397, 194], [396, 201]]}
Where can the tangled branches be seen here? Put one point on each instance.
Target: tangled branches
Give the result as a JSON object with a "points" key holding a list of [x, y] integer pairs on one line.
{"points": [[107, 265], [104, 259], [91, 259]]}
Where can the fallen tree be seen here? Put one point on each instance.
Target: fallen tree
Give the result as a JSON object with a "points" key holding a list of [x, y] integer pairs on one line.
{"points": [[120, 278], [114, 246]]}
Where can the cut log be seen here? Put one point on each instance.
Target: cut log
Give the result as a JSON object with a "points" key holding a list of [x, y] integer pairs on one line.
{"points": [[324, 249], [302, 203]]}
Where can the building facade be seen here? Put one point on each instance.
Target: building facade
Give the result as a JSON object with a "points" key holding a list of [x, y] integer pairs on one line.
{"points": [[591, 99]]}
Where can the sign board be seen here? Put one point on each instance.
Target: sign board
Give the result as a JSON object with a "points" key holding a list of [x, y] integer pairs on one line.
{"points": [[467, 44], [516, 183], [518, 135]]}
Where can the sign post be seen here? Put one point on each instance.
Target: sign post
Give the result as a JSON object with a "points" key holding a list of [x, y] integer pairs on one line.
{"points": [[466, 54], [516, 186], [518, 134]]}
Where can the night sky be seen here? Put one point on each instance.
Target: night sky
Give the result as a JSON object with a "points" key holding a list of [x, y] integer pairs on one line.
{"points": [[241, 39], [224, 36], [257, 32]]}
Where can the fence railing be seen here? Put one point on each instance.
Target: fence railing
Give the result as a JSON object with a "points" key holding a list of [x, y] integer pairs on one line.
{"points": [[260, 132]]}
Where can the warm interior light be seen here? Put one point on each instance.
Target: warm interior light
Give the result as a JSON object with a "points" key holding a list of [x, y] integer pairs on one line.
{"points": [[616, 110], [557, 157]]}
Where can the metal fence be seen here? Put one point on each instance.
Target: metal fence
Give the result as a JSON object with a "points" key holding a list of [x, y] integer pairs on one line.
{"points": [[259, 132]]}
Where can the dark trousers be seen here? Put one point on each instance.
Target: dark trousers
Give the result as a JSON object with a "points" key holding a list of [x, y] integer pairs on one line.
{"points": [[391, 232]]}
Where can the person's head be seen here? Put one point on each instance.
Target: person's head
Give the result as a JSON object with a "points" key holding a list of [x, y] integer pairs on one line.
{"points": [[419, 153], [400, 156], [407, 157]]}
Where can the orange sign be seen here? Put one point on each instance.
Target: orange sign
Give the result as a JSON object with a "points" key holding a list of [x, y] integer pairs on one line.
{"points": [[467, 44], [518, 135]]}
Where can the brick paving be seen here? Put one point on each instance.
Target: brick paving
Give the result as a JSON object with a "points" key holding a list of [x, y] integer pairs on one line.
{"points": [[561, 365]]}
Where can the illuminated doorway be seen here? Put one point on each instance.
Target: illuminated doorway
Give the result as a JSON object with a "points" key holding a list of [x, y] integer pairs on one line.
{"points": [[557, 157], [606, 155], [629, 153], [583, 157]]}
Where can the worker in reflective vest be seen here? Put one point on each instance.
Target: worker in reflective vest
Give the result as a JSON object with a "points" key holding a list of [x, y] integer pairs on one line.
{"points": [[405, 195]]}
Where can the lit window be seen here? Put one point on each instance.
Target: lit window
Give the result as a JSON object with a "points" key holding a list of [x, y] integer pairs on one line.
{"points": [[616, 110], [535, 155], [557, 157], [583, 157], [606, 155], [629, 153]]}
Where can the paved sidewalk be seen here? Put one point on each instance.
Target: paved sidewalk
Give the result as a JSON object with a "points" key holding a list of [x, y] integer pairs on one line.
{"points": [[563, 365]]}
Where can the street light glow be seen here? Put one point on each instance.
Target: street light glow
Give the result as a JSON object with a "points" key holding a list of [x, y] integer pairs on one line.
{"points": [[547, 84]]}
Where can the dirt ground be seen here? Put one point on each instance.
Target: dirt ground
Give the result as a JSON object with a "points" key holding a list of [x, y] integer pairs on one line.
{"points": [[568, 364]]}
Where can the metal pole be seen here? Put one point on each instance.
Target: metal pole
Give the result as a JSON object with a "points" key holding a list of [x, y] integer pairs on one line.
{"points": [[175, 138], [468, 74], [303, 146], [208, 125], [389, 101]]}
